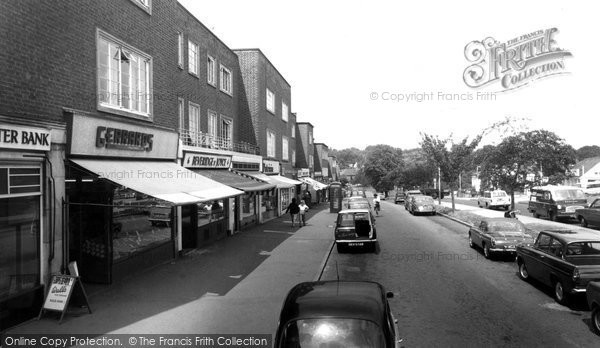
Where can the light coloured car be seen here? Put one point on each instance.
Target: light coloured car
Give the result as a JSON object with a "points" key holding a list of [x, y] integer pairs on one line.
{"points": [[499, 235], [407, 197], [592, 189], [421, 204]]}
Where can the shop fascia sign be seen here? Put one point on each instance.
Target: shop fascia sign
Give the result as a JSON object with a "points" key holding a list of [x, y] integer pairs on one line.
{"points": [[271, 167], [96, 136], [302, 172], [201, 160], [24, 138]]}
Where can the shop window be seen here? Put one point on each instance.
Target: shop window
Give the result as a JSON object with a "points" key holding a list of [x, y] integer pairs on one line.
{"points": [[139, 222], [19, 249], [210, 212]]}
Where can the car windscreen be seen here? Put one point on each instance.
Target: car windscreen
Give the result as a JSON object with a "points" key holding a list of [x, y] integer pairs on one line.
{"points": [[499, 194], [507, 226], [424, 200], [584, 248], [562, 195], [333, 332], [358, 205], [347, 220]]}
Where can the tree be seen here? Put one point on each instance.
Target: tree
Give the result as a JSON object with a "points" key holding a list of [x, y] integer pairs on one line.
{"points": [[588, 152], [527, 159], [452, 158], [383, 166], [346, 158]]}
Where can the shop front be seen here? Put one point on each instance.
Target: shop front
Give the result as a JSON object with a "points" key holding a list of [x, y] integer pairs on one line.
{"points": [[23, 200], [277, 201], [317, 190], [126, 195], [244, 208]]}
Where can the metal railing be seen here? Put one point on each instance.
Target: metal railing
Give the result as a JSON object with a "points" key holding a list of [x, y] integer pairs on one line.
{"points": [[205, 140]]}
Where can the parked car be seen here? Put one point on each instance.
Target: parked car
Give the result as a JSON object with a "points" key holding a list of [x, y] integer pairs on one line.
{"points": [[408, 194], [355, 228], [499, 235], [593, 300], [337, 314], [556, 202], [565, 260], [590, 215], [592, 189], [421, 204], [399, 197], [432, 192], [494, 199]]}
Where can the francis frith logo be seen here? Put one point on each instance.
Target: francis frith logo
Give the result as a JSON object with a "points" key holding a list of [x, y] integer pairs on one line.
{"points": [[516, 62]]}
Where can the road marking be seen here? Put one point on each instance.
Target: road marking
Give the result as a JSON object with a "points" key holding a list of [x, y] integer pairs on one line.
{"points": [[271, 231], [236, 276], [555, 306], [264, 253], [210, 294]]}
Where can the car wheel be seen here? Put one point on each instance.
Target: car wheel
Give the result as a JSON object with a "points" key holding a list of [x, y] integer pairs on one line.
{"points": [[340, 248], [523, 273], [559, 293], [596, 320], [486, 251], [583, 221], [471, 242]]}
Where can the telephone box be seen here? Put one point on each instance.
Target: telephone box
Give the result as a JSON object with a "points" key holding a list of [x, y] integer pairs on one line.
{"points": [[335, 197]]}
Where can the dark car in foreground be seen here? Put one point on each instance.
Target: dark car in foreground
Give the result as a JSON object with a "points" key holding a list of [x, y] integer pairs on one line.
{"points": [[499, 235], [565, 260], [593, 299], [337, 314], [355, 228]]}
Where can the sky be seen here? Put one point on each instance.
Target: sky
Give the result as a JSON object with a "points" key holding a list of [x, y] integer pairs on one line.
{"points": [[358, 69]]}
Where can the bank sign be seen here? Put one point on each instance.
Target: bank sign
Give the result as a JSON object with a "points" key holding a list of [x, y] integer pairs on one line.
{"points": [[24, 138], [516, 62]]}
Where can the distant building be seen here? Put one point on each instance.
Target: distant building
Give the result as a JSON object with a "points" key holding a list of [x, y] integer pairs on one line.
{"points": [[585, 172], [349, 174]]}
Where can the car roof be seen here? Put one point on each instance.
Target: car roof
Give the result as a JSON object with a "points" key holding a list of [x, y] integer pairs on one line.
{"points": [[413, 191], [345, 299], [350, 211], [553, 188], [501, 219], [568, 236]]}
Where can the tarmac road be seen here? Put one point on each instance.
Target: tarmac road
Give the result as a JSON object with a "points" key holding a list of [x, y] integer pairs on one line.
{"points": [[447, 294]]}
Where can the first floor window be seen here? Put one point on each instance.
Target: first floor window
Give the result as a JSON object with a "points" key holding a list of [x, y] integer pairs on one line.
{"points": [[285, 148], [284, 111], [123, 76], [212, 127], [226, 132], [270, 101], [270, 144], [226, 80], [210, 70], [180, 49], [293, 130], [194, 123]]}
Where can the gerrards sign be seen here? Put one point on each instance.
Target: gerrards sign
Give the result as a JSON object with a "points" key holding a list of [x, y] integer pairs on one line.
{"points": [[119, 138], [516, 62], [24, 138]]}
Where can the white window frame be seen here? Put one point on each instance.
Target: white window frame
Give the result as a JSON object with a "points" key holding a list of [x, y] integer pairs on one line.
{"points": [[211, 77], [194, 121], [181, 113], [270, 101], [310, 138], [223, 86], [145, 5], [284, 111], [213, 124], [114, 103], [180, 49], [293, 158], [285, 148], [226, 138], [294, 131], [193, 58], [271, 144]]}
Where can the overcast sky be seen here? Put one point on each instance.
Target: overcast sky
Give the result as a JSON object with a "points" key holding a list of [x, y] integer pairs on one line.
{"points": [[342, 58]]}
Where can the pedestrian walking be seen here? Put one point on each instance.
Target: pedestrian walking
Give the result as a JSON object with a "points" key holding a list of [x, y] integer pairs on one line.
{"points": [[303, 210], [293, 209]]}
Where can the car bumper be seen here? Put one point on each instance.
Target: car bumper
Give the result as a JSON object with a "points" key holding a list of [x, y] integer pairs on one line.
{"points": [[355, 241], [504, 250]]}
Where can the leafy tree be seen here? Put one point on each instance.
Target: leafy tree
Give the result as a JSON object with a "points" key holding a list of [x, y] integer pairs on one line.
{"points": [[383, 166], [417, 174], [588, 152], [346, 158], [452, 158], [525, 159]]}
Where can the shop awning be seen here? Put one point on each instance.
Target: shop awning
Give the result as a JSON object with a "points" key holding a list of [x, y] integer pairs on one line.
{"points": [[277, 180], [314, 183], [238, 181], [164, 180]]}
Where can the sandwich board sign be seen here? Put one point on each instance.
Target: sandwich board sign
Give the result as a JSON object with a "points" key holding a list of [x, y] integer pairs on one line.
{"points": [[60, 292]]}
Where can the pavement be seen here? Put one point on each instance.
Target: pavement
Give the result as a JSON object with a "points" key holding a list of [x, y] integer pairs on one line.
{"points": [[235, 286]]}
